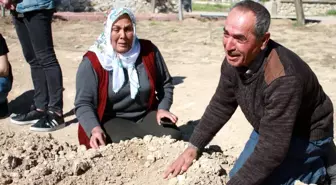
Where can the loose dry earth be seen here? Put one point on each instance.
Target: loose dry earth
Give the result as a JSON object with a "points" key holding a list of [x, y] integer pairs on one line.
{"points": [[193, 52], [31, 159]]}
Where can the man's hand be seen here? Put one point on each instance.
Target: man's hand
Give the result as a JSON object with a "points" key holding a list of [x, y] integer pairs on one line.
{"points": [[182, 163], [97, 137], [165, 114]]}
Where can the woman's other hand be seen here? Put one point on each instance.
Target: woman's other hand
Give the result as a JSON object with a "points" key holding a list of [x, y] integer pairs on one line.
{"points": [[98, 137], [165, 114]]}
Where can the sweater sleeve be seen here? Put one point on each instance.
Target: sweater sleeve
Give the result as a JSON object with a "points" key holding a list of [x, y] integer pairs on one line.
{"points": [[220, 109], [164, 85], [86, 96], [282, 102]]}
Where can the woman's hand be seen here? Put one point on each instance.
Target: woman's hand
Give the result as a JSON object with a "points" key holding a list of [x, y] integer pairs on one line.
{"points": [[98, 137], [165, 114]]}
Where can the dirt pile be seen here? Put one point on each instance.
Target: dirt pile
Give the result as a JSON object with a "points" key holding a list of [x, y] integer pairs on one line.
{"points": [[27, 158]]}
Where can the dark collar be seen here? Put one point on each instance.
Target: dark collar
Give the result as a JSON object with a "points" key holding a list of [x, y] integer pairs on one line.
{"points": [[247, 72]]}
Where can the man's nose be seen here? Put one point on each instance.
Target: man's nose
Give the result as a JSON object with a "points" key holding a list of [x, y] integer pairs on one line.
{"points": [[229, 44]]}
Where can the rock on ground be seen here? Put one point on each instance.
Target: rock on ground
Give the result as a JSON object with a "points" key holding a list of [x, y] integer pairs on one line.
{"points": [[27, 158]]}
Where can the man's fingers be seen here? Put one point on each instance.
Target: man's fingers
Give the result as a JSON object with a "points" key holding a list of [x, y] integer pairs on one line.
{"points": [[169, 170], [177, 170], [174, 169], [186, 165]]}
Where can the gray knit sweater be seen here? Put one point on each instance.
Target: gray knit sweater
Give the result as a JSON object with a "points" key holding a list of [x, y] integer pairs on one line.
{"points": [[120, 104]]}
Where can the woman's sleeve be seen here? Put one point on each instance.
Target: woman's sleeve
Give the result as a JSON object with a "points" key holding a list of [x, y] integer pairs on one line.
{"points": [[164, 85], [86, 96]]}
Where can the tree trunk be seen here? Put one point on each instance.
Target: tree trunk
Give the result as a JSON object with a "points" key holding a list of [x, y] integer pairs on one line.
{"points": [[153, 6], [180, 10], [3, 11], [300, 18]]}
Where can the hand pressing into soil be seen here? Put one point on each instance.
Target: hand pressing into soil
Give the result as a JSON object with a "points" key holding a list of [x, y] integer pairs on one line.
{"points": [[182, 163], [97, 137], [165, 114]]}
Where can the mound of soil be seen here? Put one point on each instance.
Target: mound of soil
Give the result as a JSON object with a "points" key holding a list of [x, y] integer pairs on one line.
{"points": [[27, 158]]}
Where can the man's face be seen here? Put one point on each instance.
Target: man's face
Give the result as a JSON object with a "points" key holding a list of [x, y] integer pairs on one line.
{"points": [[240, 43]]}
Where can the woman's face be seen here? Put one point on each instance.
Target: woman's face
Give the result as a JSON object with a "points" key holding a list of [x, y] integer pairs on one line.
{"points": [[122, 34]]}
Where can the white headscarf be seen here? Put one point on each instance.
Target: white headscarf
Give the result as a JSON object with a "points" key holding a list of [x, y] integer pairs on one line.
{"points": [[113, 61]]}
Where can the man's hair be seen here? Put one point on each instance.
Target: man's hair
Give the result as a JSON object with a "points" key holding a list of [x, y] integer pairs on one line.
{"points": [[263, 17]]}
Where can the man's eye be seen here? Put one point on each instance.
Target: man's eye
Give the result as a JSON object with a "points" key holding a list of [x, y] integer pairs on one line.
{"points": [[243, 40]]}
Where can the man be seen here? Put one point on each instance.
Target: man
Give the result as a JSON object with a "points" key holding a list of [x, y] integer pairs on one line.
{"points": [[6, 78], [280, 96], [32, 20]]}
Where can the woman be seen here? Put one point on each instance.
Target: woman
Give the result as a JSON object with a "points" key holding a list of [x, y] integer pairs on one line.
{"points": [[123, 87], [32, 20]]}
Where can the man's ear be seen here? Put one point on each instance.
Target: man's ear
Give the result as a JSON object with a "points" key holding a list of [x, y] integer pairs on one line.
{"points": [[265, 40]]}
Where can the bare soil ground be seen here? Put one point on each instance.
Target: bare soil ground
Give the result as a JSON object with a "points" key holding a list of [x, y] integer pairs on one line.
{"points": [[193, 52]]}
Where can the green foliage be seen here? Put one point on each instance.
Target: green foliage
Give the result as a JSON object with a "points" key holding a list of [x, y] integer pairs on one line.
{"points": [[331, 12], [210, 7]]}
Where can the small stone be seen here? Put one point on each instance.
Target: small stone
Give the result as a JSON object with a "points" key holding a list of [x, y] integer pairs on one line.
{"points": [[16, 175], [152, 148], [71, 155], [196, 164], [173, 181], [7, 181], [170, 140], [26, 173], [219, 170], [159, 155], [12, 162], [147, 164], [92, 153], [181, 178], [147, 138], [151, 158], [82, 148], [105, 148], [80, 167], [49, 136], [61, 153]]}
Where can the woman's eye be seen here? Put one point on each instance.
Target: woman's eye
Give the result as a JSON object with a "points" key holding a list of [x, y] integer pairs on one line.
{"points": [[129, 30]]}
